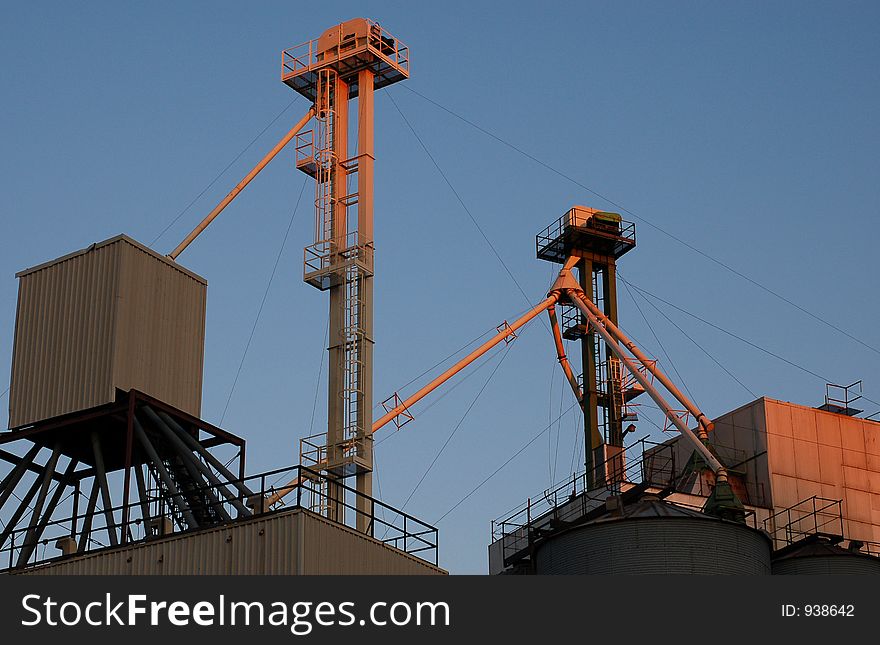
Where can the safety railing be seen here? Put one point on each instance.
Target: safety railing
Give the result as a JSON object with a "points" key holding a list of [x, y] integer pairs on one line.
{"points": [[578, 495], [643, 462], [812, 516], [552, 243], [325, 258], [379, 41], [160, 515], [870, 548]]}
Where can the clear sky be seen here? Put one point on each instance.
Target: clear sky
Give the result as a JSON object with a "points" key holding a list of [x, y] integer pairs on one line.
{"points": [[748, 130]]}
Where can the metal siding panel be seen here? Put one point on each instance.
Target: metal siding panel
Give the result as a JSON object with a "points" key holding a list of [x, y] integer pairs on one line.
{"points": [[261, 546], [62, 337], [331, 549], [115, 315], [656, 546], [160, 336], [823, 565]]}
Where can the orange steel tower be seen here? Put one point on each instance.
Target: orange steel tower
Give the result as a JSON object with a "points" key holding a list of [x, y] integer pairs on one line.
{"points": [[597, 239], [347, 63]]}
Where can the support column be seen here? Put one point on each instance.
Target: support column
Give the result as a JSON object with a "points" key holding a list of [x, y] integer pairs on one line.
{"points": [[609, 299], [588, 364], [366, 159], [101, 478], [337, 349]]}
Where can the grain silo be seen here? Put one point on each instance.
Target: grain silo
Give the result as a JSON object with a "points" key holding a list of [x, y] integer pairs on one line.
{"points": [[819, 556], [651, 536]]}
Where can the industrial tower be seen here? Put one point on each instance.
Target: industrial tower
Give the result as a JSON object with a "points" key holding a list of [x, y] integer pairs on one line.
{"points": [[598, 239], [346, 64]]}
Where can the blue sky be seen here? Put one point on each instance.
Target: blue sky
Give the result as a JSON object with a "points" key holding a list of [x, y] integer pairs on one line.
{"points": [[748, 130]]}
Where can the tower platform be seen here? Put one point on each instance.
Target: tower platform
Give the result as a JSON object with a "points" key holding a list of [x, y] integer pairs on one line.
{"points": [[346, 48], [584, 230]]}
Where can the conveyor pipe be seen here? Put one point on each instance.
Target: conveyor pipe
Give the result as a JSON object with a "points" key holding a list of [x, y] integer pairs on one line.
{"points": [[579, 299], [244, 182]]}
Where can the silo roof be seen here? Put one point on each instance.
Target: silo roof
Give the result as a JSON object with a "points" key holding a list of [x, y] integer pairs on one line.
{"points": [[650, 507]]}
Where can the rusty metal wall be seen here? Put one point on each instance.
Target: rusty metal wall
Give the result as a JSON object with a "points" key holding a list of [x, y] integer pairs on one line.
{"points": [[114, 315], [285, 543]]}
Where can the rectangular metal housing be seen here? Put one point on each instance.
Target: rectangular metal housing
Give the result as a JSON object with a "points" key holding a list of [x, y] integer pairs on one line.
{"points": [[114, 316]]}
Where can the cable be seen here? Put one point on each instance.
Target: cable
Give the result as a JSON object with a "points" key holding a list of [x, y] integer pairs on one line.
{"points": [[378, 484], [263, 302], [558, 431], [497, 470], [741, 339], [703, 349], [578, 433], [5, 392], [439, 363], [450, 389], [730, 333], [461, 201], [648, 222], [654, 334], [320, 372], [455, 429], [550, 416], [222, 172]]}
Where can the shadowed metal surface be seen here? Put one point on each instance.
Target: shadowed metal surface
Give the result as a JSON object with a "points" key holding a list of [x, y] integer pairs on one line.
{"points": [[115, 315], [652, 537], [284, 543], [818, 557]]}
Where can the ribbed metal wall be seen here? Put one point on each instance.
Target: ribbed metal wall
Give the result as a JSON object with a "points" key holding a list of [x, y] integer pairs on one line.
{"points": [[852, 564], [285, 543], [114, 315], [669, 545]]}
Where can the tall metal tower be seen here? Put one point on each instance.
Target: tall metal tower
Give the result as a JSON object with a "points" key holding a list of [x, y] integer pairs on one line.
{"points": [[347, 63], [598, 239]]}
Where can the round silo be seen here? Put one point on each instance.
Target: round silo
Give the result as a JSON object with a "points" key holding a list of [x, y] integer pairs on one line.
{"points": [[819, 556], [651, 536]]}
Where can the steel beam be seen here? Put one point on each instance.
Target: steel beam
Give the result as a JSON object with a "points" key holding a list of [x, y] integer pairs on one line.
{"points": [[211, 459], [106, 500], [11, 480], [32, 537], [163, 473], [86, 535], [195, 467], [18, 513], [26, 548], [142, 498], [200, 467], [366, 159]]}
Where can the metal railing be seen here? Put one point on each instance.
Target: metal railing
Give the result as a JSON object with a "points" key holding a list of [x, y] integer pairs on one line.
{"points": [[324, 258], [380, 42], [577, 495], [552, 239], [812, 516], [642, 462], [870, 548], [154, 517]]}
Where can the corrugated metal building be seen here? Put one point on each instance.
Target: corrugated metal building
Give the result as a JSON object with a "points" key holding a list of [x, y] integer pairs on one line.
{"points": [[114, 316], [295, 542], [791, 453]]}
